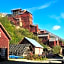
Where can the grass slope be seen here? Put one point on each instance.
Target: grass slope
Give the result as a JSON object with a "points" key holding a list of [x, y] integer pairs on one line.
{"points": [[16, 34]]}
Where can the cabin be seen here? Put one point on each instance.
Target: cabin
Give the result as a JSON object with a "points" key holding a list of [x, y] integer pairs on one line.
{"points": [[4, 43], [35, 47]]}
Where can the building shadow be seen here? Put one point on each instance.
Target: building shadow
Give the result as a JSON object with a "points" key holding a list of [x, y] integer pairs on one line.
{"points": [[18, 62]]}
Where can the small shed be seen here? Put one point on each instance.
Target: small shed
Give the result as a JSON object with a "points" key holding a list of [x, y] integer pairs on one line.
{"points": [[35, 48], [4, 43]]}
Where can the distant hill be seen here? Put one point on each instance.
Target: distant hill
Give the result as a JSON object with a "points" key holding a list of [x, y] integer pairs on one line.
{"points": [[16, 34], [3, 14]]}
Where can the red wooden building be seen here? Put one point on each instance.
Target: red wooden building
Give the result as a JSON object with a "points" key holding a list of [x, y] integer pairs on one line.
{"points": [[23, 18], [49, 38], [4, 43]]}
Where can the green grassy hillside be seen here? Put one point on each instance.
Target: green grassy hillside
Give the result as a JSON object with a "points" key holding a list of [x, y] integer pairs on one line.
{"points": [[16, 34]]}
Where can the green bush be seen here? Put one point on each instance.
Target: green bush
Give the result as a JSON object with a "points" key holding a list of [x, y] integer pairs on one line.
{"points": [[35, 57], [56, 49]]}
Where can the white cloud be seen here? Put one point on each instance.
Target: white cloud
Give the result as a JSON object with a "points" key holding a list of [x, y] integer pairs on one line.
{"points": [[40, 7], [62, 15], [44, 6], [56, 17], [56, 27]]}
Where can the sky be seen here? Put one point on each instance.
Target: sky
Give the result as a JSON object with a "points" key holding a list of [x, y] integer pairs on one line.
{"points": [[48, 14]]}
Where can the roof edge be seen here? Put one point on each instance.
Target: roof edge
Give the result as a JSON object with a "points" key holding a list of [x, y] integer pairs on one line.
{"points": [[5, 31]]}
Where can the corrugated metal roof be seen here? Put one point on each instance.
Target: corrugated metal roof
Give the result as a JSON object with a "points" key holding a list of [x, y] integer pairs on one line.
{"points": [[35, 43], [42, 35], [52, 39]]}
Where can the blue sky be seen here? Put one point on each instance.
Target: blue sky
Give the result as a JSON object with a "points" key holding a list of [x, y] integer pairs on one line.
{"points": [[48, 14]]}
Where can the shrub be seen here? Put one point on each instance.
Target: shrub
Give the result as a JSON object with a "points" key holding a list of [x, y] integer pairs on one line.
{"points": [[35, 57], [56, 49]]}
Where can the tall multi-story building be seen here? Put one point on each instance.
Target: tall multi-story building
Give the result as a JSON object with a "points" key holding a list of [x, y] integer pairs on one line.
{"points": [[23, 18]]}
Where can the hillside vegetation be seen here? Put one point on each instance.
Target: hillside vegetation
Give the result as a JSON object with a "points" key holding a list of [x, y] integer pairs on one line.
{"points": [[16, 34]]}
